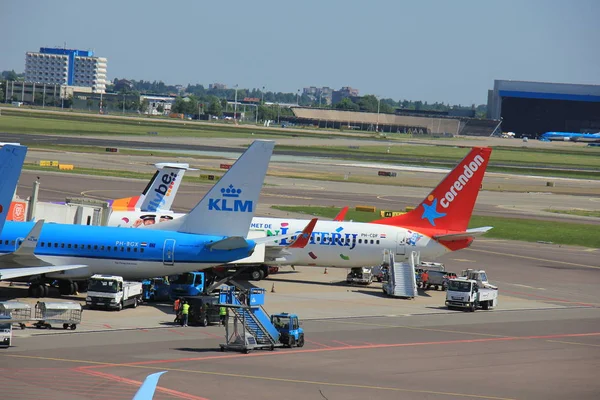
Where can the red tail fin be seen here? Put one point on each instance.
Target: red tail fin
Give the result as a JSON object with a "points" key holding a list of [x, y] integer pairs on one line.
{"points": [[450, 205]]}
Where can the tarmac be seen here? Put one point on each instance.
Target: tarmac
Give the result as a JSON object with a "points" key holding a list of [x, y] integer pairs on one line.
{"points": [[359, 345]]}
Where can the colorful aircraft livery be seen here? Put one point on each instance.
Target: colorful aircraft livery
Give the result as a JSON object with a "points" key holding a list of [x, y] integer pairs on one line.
{"points": [[437, 226]]}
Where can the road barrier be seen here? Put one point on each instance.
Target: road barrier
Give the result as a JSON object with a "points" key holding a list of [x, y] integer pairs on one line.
{"points": [[386, 173], [209, 177], [388, 214], [112, 150], [48, 163], [366, 208], [225, 166], [66, 167]]}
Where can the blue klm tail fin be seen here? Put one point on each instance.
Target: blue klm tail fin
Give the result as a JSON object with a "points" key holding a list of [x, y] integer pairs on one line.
{"points": [[146, 391], [11, 162]]}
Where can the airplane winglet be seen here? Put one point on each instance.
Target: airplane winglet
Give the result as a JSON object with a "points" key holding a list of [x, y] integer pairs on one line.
{"points": [[146, 391], [303, 238], [342, 214], [27, 247]]}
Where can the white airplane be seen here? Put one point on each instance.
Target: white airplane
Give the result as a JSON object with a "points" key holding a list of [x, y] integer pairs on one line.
{"points": [[213, 233], [437, 226]]}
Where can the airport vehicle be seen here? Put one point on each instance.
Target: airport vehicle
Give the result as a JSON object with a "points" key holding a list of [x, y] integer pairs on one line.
{"points": [[465, 293], [436, 279], [66, 313], [204, 310], [156, 289], [360, 275], [213, 233], [252, 327], [477, 275], [5, 331], [431, 266], [437, 226], [380, 272], [112, 292], [188, 284]]}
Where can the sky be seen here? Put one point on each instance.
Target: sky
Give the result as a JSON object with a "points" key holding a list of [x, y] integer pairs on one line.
{"points": [[430, 50]]}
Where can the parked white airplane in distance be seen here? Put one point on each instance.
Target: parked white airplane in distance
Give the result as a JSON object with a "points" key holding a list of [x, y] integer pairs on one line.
{"points": [[212, 233], [437, 226]]}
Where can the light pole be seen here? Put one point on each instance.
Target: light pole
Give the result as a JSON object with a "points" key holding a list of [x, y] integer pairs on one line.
{"points": [[377, 125], [235, 105], [297, 97], [262, 95], [123, 103]]}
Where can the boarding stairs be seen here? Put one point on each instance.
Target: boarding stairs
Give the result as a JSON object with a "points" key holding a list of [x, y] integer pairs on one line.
{"points": [[401, 277], [246, 306]]}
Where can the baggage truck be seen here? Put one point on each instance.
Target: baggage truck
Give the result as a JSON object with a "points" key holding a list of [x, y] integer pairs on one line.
{"points": [[466, 294], [112, 292]]}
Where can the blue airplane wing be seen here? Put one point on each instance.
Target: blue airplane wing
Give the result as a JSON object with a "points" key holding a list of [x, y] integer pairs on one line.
{"points": [[146, 391]]}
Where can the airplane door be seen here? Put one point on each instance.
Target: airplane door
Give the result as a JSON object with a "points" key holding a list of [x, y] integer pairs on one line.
{"points": [[401, 243], [169, 252]]}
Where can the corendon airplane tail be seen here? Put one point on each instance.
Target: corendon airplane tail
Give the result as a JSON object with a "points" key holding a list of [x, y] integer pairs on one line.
{"points": [[445, 213]]}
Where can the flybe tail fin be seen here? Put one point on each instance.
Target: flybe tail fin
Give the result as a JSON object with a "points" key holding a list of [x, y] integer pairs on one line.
{"points": [[11, 162], [450, 205], [227, 209], [161, 191]]}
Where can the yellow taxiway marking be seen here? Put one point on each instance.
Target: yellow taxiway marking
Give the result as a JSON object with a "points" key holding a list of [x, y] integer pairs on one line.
{"points": [[273, 379], [414, 328], [581, 344], [535, 258]]}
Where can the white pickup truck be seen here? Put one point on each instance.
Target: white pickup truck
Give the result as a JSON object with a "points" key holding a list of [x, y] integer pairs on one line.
{"points": [[112, 292], [465, 293]]}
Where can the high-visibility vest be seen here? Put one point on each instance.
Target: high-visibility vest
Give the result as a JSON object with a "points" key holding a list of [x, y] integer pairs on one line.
{"points": [[185, 309], [222, 311]]}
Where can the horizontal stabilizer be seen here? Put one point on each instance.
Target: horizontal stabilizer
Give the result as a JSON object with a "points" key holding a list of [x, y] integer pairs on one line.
{"points": [[303, 238], [230, 243], [12, 273], [468, 234]]}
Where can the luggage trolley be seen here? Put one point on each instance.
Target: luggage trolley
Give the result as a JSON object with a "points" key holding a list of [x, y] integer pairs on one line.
{"points": [[67, 313], [16, 310]]}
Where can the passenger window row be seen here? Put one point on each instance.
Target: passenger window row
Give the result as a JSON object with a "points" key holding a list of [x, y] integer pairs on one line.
{"points": [[78, 246]]}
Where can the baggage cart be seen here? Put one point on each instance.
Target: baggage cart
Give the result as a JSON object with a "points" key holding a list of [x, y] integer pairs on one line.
{"points": [[68, 314], [16, 310]]}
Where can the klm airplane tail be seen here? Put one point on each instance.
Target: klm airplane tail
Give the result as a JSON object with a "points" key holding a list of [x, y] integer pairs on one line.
{"points": [[228, 208], [11, 162]]}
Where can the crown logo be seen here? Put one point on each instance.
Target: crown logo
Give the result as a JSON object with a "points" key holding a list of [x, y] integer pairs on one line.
{"points": [[231, 192]]}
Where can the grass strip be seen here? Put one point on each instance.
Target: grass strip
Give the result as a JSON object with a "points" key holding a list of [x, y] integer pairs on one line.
{"points": [[528, 230]]}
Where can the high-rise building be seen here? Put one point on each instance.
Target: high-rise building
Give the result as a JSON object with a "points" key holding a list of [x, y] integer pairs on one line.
{"points": [[66, 67]]}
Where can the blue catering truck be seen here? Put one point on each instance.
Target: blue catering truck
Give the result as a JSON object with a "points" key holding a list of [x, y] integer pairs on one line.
{"points": [[156, 289], [188, 284]]}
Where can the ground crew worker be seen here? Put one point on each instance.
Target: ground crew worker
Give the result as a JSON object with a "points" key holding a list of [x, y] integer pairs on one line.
{"points": [[176, 309], [223, 315], [185, 312], [424, 279]]}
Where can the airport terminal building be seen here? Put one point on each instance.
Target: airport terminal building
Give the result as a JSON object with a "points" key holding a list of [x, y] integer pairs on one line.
{"points": [[533, 108]]}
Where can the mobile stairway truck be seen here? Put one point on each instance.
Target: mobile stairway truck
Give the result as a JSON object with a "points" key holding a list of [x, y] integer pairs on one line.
{"points": [[252, 327], [401, 281]]}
